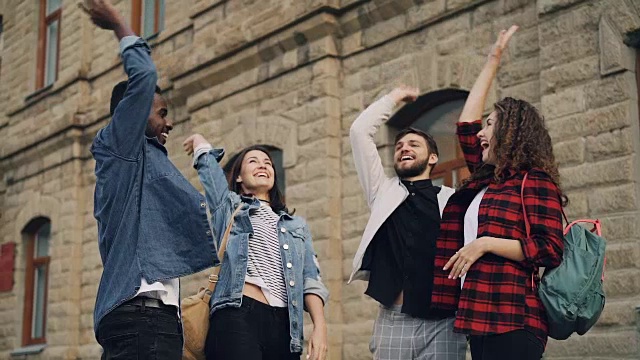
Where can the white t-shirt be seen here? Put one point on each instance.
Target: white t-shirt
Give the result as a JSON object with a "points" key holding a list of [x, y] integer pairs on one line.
{"points": [[471, 223], [167, 291]]}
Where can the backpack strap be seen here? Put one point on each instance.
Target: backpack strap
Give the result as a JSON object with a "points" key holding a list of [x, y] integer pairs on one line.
{"points": [[597, 227]]}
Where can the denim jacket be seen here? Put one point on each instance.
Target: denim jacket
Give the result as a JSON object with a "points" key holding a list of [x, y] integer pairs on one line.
{"points": [[302, 276], [152, 222]]}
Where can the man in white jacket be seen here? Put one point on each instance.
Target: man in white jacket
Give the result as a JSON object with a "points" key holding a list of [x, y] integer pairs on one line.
{"points": [[397, 251]]}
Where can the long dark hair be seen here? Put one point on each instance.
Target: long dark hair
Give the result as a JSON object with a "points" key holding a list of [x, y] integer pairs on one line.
{"points": [[521, 141], [276, 198]]}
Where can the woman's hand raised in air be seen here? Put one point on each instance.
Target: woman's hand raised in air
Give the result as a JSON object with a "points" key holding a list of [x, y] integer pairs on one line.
{"points": [[501, 43], [192, 143]]}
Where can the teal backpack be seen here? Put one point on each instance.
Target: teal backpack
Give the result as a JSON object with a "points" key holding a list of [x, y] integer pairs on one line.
{"points": [[572, 293]]}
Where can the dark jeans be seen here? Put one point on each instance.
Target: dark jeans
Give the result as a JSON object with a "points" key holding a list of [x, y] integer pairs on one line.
{"points": [[134, 332], [518, 344], [254, 331]]}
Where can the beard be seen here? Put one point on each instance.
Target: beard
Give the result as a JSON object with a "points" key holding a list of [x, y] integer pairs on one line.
{"points": [[417, 169]]}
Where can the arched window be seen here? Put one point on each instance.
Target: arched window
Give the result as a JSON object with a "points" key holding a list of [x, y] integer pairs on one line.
{"points": [[437, 113], [278, 165], [37, 236]]}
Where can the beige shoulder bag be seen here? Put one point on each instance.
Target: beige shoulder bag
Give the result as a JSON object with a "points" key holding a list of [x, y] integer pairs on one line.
{"points": [[195, 308]]}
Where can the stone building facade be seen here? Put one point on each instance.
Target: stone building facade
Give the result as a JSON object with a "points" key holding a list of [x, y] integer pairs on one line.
{"points": [[294, 74]]}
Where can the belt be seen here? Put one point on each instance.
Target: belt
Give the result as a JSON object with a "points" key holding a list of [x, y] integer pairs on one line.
{"points": [[147, 302]]}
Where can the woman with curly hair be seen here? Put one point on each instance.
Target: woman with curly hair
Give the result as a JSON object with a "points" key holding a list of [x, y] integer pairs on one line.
{"points": [[483, 246]]}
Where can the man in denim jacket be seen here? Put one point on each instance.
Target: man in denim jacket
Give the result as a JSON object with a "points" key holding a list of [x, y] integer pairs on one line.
{"points": [[152, 223]]}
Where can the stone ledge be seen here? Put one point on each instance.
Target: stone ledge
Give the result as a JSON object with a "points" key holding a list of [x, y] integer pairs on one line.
{"points": [[28, 350], [614, 55]]}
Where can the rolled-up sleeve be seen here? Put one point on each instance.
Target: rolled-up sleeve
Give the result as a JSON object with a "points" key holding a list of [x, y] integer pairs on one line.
{"points": [[543, 246], [469, 143], [312, 280]]}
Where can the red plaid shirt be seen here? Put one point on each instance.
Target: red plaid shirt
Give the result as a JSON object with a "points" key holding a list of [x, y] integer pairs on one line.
{"points": [[498, 294]]}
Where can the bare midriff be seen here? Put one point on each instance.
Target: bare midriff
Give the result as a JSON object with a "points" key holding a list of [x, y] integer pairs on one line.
{"points": [[254, 292]]}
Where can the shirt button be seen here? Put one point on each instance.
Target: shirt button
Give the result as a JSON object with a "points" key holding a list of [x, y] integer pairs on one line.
{"points": [[203, 204], [413, 194], [411, 183], [291, 283], [208, 232], [289, 265], [283, 230], [285, 246], [294, 303]]}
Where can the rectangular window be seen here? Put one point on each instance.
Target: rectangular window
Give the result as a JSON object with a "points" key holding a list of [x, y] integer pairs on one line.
{"points": [[147, 17], [48, 42], [36, 283]]}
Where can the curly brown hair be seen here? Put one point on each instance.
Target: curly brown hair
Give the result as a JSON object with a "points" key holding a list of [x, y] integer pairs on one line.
{"points": [[520, 141]]}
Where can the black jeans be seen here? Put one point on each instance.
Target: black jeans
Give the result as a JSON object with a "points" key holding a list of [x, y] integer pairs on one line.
{"points": [[134, 332], [254, 331], [518, 344]]}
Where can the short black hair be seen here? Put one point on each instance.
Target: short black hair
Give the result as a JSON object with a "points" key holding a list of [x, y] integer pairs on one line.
{"points": [[431, 142], [118, 93]]}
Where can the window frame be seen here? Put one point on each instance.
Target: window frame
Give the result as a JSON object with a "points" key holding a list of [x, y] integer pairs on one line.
{"points": [[32, 263], [137, 21], [44, 21]]}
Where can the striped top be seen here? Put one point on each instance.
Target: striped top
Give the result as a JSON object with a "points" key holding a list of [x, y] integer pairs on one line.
{"points": [[264, 265]]}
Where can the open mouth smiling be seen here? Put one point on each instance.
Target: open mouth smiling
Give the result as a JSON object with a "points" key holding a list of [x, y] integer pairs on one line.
{"points": [[404, 158]]}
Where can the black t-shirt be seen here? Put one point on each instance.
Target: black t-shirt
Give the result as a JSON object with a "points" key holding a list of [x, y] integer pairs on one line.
{"points": [[401, 254]]}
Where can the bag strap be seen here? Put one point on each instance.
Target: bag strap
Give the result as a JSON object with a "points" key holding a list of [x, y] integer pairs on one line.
{"points": [[213, 278]]}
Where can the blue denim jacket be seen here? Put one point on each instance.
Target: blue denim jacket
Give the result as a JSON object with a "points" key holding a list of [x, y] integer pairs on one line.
{"points": [[301, 278], [151, 221]]}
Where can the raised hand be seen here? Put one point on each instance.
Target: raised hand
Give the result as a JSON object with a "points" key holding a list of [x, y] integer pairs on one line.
{"points": [[502, 42], [104, 15], [192, 142], [474, 106], [404, 93]]}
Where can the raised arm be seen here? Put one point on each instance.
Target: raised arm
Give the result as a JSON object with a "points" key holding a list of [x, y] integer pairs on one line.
{"points": [[364, 128], [470, 122], [213, 180], [474, 106], [124, 135]]}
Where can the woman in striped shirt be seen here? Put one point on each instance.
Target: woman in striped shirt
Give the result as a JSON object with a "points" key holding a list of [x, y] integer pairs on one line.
{"points": [[269, 271]]}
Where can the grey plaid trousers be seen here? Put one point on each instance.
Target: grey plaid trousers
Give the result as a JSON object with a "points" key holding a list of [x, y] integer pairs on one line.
{"points": [[397, 336]]}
